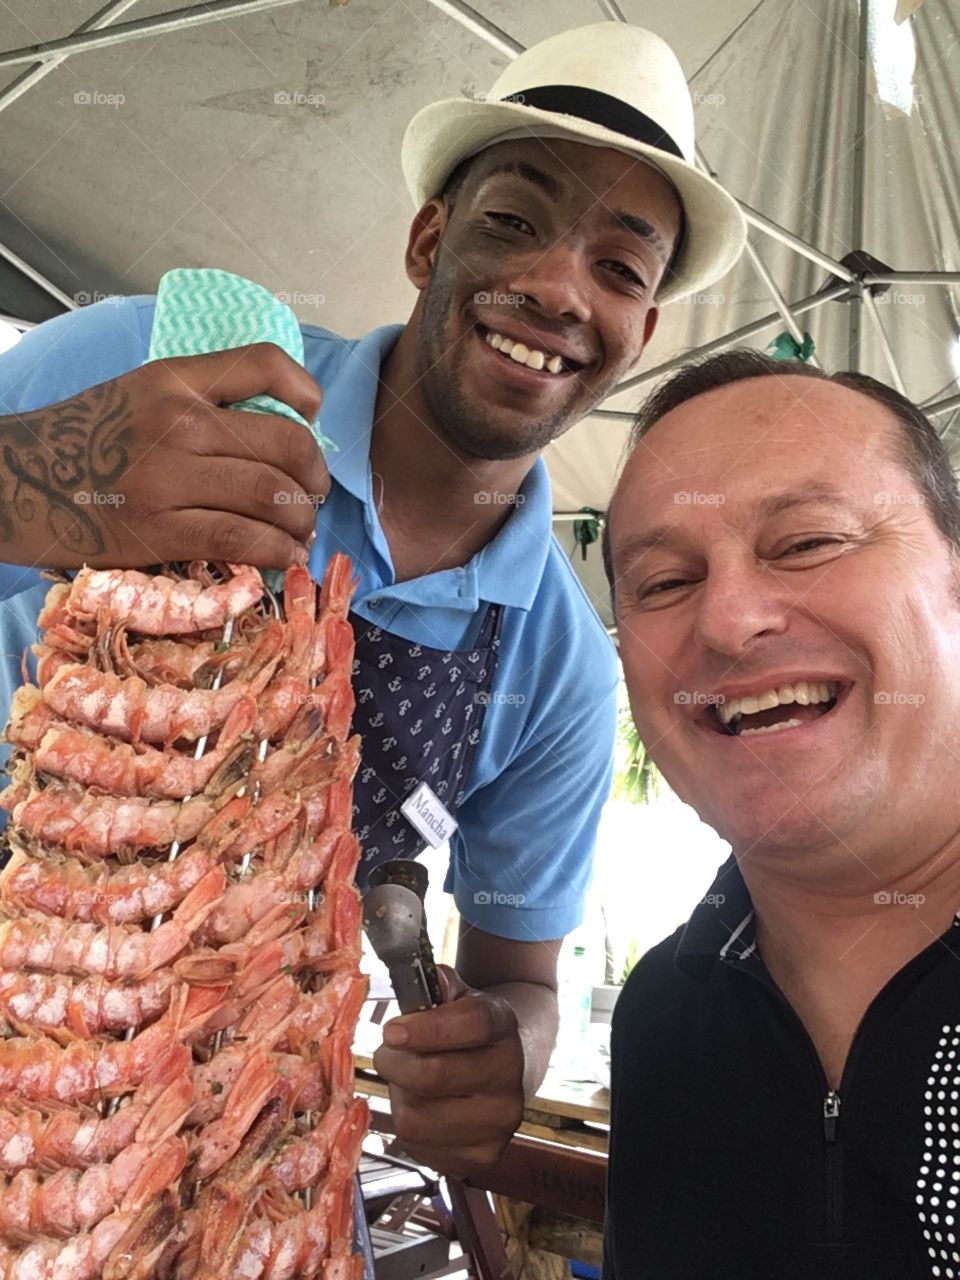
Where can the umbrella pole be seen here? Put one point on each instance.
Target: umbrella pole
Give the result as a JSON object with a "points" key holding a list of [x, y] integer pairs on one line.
{"points": [[859, 178]]}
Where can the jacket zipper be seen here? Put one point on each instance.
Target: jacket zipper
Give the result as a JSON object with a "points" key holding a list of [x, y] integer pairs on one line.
{"points": [[830, 1110], [833, 1210], [830, 1105]]}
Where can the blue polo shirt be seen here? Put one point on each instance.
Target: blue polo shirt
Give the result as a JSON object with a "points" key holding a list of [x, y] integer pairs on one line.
{"points": [[521, 856]]}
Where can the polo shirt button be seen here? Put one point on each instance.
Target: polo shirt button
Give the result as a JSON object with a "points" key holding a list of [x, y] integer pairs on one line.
{"points": [[374, 604]]}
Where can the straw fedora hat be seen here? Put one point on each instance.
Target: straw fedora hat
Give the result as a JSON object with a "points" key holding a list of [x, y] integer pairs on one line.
{"points": [[609, 84]]}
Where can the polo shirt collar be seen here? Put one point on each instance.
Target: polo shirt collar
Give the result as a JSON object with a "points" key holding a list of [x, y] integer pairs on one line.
{"points": [[509, 569], [346, 415], [722, 926]]}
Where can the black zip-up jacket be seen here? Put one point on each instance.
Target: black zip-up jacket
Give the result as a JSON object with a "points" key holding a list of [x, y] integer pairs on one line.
{"points": [[732, 1159]]}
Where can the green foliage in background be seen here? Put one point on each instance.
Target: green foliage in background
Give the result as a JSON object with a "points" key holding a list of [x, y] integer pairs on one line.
{"points": [[636, 778], [634, 953]]}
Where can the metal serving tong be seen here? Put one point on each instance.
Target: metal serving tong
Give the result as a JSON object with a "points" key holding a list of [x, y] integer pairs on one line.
{"points": [[393, 916]]}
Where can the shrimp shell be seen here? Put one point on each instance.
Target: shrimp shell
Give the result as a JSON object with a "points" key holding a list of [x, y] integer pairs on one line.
{"points": [[161, 606], [75, 1138], [67, 1008], [99, 894], [233, 1031], [123, 770], [122, 1246], [97, 825], [298, 1244], [73, 1200], [86, 1071], [114, 951], [30, 718], [128, 708]]}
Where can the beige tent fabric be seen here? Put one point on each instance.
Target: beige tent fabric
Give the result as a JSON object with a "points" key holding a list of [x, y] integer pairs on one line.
{"points": [[210, 161]]}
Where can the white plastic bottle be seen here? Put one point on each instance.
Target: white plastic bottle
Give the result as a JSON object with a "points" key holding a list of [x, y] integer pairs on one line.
{"points": [[572, 1055]]}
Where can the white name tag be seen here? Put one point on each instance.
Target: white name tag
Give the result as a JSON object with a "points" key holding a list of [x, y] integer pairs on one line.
{"points": [[429, 816]]}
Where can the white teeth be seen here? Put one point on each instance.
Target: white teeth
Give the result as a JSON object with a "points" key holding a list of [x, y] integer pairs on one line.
{"points": [[803, 692], [523, 354], [771, 728]]}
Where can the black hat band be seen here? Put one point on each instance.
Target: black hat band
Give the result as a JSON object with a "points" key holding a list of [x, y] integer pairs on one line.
{"points": [[597, 108]]}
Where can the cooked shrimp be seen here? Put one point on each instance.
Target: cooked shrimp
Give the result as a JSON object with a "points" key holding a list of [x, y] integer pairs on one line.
{"points": [[74, 1200], [50, 661], [333, 806], [334, 649], [123, 770], [281, 707], [331, 1011], [299, 1244], [338, 586], [157, 605], [304, 1158], [128, 708], [332, 638], [30, 718], [97, 825], [116, 951], [305, 764], [305, 1083], [189, 664], [279, 704], [240, 827], [66, 1008], [246, 902], [122, 1246], [54, 608], [329, 941], [39, 1071], [299, 593], [212, 1231], [62, 629], [101, 893], [221, 1138], [75, 1138]]}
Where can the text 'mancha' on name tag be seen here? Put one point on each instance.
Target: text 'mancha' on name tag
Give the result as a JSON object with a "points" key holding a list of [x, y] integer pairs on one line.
{"points": [[428, 815]]}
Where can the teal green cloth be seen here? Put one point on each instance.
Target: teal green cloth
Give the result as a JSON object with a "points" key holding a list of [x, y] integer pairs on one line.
{"points": [[785, 347], [204, 309]]}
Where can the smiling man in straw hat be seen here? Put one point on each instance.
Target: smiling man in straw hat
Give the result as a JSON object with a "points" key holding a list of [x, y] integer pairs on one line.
{"points": [[553, 220]]}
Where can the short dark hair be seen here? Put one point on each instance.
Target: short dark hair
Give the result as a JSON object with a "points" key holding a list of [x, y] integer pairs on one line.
{"points": [[919, 448]]}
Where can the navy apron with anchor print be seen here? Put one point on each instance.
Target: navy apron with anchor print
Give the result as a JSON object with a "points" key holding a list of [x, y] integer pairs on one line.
{"points": [[419, 712]]}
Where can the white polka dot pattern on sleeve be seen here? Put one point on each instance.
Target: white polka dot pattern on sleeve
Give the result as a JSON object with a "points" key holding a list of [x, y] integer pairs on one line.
{"points": [[938, 1185]]}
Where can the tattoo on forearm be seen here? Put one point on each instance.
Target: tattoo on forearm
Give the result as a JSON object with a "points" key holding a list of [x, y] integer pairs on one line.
{"points": [[48, 455]]}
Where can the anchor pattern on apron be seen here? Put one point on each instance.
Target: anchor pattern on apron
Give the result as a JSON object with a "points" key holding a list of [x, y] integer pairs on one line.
{"points": [[420, 713]]}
